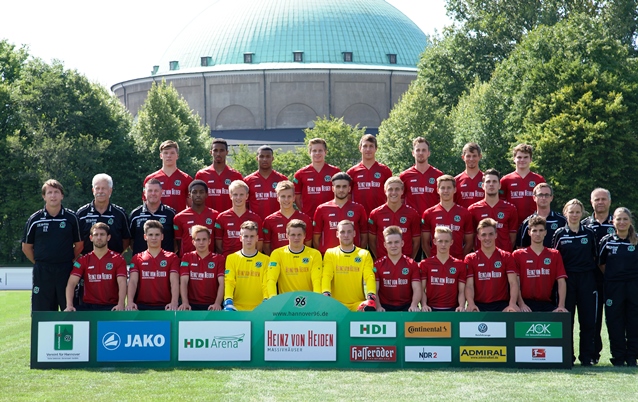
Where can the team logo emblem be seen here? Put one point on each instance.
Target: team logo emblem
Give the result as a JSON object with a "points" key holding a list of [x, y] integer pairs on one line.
{"points": [[482, 328], [583, 240], [162, 220], [631, 248], [258, 264], [211, 265], [357, 259], [405, 271], [500, 215], [432, 180], [109, 266], [370, 221], [178, 183], [62, 225], [480, 184], [403, 219], [377, 175], [532, 184], [547, 261], [227, 271], [326, 178], [110, 222], [609, 302], [209, 221], [610, 230], [554, 226], [272, 264], [274, 185], [227, 182], [350, 214], [305, 261], [457, 218], [452, 271], [36, 290], [497, 264], [163, 263]]}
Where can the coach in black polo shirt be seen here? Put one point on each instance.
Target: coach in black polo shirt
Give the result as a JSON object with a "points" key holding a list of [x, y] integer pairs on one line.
{"points": [[152, 209], [543, 196], [51, 241], [102, 210]]}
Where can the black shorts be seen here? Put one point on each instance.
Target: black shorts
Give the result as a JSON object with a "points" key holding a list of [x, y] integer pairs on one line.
{"points": [[389, 307], [95, 307], [49, 286], [141, 306], [199, 307], [537, 305], [493, 306]]}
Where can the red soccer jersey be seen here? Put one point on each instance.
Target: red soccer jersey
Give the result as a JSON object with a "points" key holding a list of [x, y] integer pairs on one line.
{"points": [[174, 188], [218, 196], [184, 222], [367, 184], [154, 284], [227, 229], [100, 276], [538, 273], [490, 275], [406, 218], [457, 218], [262, 198], [329, 214], [468, 190], [395, 280], [315, 187], [442, 281], [420, 188], [519, 191], [275, 228], [203, 276], [504, 214]]}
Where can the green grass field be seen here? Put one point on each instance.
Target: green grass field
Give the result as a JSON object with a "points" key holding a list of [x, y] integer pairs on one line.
{"points": [[19, 383]]}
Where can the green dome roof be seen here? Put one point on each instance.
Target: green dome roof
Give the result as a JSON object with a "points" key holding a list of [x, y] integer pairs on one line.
{"points": [[272, 30]]}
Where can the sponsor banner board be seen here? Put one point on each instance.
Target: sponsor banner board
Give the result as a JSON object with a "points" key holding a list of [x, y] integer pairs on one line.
{"points": [[428, 354], [300, 341], [373, 329], [133, 341], [539, 354], [63, 342], [214, 341], [483, 354], [428, 329], [482, 329], [373, 353], [536, 329]]}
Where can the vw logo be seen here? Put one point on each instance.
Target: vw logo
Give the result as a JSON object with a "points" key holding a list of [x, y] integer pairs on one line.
{"points": [[482, 328], [111, 341]]}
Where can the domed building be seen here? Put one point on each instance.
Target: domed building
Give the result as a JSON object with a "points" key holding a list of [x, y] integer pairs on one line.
{"points": [[263, 70]]}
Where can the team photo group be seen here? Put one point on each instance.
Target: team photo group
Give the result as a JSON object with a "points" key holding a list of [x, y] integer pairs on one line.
{"points": [[416, 241]]}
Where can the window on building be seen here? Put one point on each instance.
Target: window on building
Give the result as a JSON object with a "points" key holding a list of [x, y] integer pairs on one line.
{"points": [[298, 57], [173, 65], [392, 58], [248, 57], [155, 68], [207, 61], [347, 57]]}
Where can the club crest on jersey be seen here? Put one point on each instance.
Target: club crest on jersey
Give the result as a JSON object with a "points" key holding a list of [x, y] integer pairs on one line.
{"points": [[163, 263], [403, 219], [584, 240], [500, 215], [377, 175], [610, 230], [109, 266], [547, 261], [110, 222], [350, 214], [532, 184], [631, 248], [405, 271], [452, 271], [554, 226], [227, 182], [457, 218], [258, 264], [609, 302], [36, 290], [211, 265], [62, 225], [357, 259], [370, 221], [326, 178], [209, 221], [162, 220], [497, 264], [274, 185], [178, 182], [432, 180], [305, 260], [480, 184], [227, 271]]}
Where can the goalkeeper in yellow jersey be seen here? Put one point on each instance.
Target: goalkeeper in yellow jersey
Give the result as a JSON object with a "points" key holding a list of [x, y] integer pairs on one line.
{"points": [[245, 284], [295, 266], [346, 269]]}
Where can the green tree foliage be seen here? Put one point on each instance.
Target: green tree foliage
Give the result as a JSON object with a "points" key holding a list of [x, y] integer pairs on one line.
{"points": [[242, 159], [341, 138], [165, 115], [287, 163]]}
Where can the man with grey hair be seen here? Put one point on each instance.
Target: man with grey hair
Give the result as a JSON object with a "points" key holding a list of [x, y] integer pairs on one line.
{"points": [[102, 210], [600, 222]]}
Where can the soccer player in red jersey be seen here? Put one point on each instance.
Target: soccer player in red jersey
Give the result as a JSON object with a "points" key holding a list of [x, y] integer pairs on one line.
{"points": [[329, 214], [539, 269], [198, 214], [398, 276], [501, 211], [449, 214], [104, 274], [518, 187], [262, 198], [202, 274], [218, 177], [227, 227], [489, 272], [312, 183], [443, 276], [394, 213], [469, 183], [174, 181], [420, 179], [369, 176], [275, 224], [154, 274]]}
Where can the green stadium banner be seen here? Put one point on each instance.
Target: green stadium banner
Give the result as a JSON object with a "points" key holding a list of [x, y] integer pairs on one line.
{"points": [[300, 330]]}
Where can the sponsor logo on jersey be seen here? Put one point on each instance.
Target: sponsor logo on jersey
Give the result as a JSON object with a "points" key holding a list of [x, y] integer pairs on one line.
{"points": [[538, 329], [133, 341], [375, 329], [483, 354], [428, 354], [373, 353], [482, 330], [428, 329]]}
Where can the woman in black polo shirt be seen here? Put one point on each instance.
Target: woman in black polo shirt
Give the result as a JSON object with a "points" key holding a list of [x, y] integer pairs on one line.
{"points": [[619, 262]]}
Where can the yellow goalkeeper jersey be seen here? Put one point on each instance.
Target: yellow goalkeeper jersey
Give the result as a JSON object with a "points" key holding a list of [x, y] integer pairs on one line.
{"points": [[344, 275], [294, 271], [245, 279]]}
